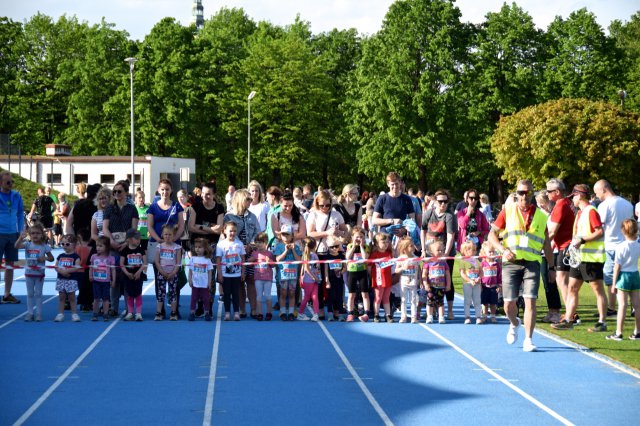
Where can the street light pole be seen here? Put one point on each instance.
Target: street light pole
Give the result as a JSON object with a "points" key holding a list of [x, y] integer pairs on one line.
{"points": [[251, 95], [132, 62], [623, 95]]}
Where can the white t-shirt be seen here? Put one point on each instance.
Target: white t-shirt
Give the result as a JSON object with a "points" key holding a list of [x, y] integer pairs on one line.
{"points": [[200, 266], [613, 211], [316, 223], [230, 254], [627, 254], [261, 210]]}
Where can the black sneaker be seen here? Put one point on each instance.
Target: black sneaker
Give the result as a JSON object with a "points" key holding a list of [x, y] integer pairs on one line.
{"points": [[283, 317], [207, 317], [599, 327], [612, 312], [614, 336], [291, 317], [10, 299], [635, 336], [376, 318]]}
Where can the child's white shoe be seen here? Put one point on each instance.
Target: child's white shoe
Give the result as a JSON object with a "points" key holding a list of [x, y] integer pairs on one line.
{"points": [[467, 321], [430, 319], [314, 318], [59, 318], [303, 317], [75, 317]]}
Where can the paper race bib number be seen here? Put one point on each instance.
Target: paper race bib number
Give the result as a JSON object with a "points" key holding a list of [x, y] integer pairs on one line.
{"points": [[100, 274], [490, 271], [289, 272], [134, 259]]}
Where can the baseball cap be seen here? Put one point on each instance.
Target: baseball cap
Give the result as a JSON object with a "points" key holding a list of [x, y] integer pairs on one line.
{"points": [[580, 189], [286, 229], [133, 233]]}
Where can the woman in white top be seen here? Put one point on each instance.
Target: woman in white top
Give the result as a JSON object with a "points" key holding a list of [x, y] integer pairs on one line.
{"points": [[259, 207], [323, 222], [289, 214]]}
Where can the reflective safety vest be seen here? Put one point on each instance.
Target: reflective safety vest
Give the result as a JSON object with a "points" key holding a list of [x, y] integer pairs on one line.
{"points": [[526, 244], [590, 251]]}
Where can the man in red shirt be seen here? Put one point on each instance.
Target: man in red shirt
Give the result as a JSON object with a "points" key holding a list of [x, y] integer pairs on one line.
{"points": [[560, 227], [587, 229]]}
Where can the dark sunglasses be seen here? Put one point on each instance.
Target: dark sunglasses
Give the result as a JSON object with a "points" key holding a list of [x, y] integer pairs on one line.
{"points": [[118, 191], [66, 244], [472, 198], [522, 193], [324, 205], [443, 201], [334, 247]]}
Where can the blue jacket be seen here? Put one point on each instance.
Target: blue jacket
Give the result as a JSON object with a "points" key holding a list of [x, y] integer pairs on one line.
{"points": [[249, 222], [11, 214]]}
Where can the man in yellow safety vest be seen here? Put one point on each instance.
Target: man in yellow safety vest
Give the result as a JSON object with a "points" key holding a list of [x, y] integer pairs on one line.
{"points": [[588, 238], [525, 237]]}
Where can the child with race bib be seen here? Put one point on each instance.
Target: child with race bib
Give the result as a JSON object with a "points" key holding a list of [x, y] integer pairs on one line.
{"points": [[229, 259], [471, 273], [310, 278], [133, 261], [68, 268], [381, 275], [168, 257], [358, 280], [334, 278], [103, 277], [201, 277], [285, 250], [36, 252], [409, 269], [263, 275], [436, 280], [491, 281]]}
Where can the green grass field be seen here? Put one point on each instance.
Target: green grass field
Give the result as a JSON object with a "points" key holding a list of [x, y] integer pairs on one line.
{"points": [[626, 351]]}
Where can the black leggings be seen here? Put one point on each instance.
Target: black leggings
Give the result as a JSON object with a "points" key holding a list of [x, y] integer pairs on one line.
{"points": [[450, 295], [231, 290]]}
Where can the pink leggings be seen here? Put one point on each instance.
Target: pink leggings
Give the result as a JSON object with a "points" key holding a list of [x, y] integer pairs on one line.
{"points": [[310, 292], [138, 302], [382, 295]]}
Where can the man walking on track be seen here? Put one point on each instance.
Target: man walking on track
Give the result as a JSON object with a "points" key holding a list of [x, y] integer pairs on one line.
{"points": [[525, 237], [11, 225]]}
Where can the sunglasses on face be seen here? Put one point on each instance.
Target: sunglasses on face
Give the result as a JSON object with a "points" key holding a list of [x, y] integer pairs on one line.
{"points": [[118, 191], [523, 193], [324, 206], [472, 198], [334, 247], [66, 244], [442, 201]]}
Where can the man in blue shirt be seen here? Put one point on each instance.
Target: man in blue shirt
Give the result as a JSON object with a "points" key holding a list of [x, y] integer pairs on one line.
{"points": [[393, 207], [11, 225]]}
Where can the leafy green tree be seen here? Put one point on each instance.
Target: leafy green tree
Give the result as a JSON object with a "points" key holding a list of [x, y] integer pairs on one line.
{"points": [[287, 114], [10, 63], [583, 62], [577, 140], [405, 103], [627, 38]]}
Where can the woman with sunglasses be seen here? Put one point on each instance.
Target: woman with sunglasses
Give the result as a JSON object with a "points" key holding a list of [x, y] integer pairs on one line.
{"points": [[440, 225], [472, 223], [349, 207], [119, 216]]}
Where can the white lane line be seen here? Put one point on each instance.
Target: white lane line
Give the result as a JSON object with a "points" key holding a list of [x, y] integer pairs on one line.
{"points": [[71, 368], [16, 318], [581, 349], [208, 406], [499, 378], [64, 375], [385, 419]]}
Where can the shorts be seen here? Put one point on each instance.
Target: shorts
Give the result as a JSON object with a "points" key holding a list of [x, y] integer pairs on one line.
{"points": [[607, 271], [520, 275], [435, 297], [587, 271], [67, 286], [358, 282], [489, 295], [47, 222], [8, 248], [628, 281], [133, 288], [558, 260], [288, 284], [101, 291]]}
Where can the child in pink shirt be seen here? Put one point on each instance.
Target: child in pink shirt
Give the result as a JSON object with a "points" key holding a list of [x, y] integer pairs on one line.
{"points": [[263, 275]]}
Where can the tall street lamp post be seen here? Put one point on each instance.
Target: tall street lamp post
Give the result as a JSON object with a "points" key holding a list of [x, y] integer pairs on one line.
{"points": [[251, 95], [132, 62]]}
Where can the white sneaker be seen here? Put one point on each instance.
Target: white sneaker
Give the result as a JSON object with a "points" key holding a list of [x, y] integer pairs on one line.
{"points": [[38, 318], [138, 317], [512, 334], [314, 318], [75, 317], [467, 321], [303, 317], [528, 346], [28, 317], [441, 320], [59, 318], [128, 317], [429, 319]]}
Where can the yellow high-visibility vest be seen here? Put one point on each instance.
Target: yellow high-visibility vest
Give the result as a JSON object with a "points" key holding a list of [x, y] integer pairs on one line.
{"points": [[590, 251], [525, 244]]}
